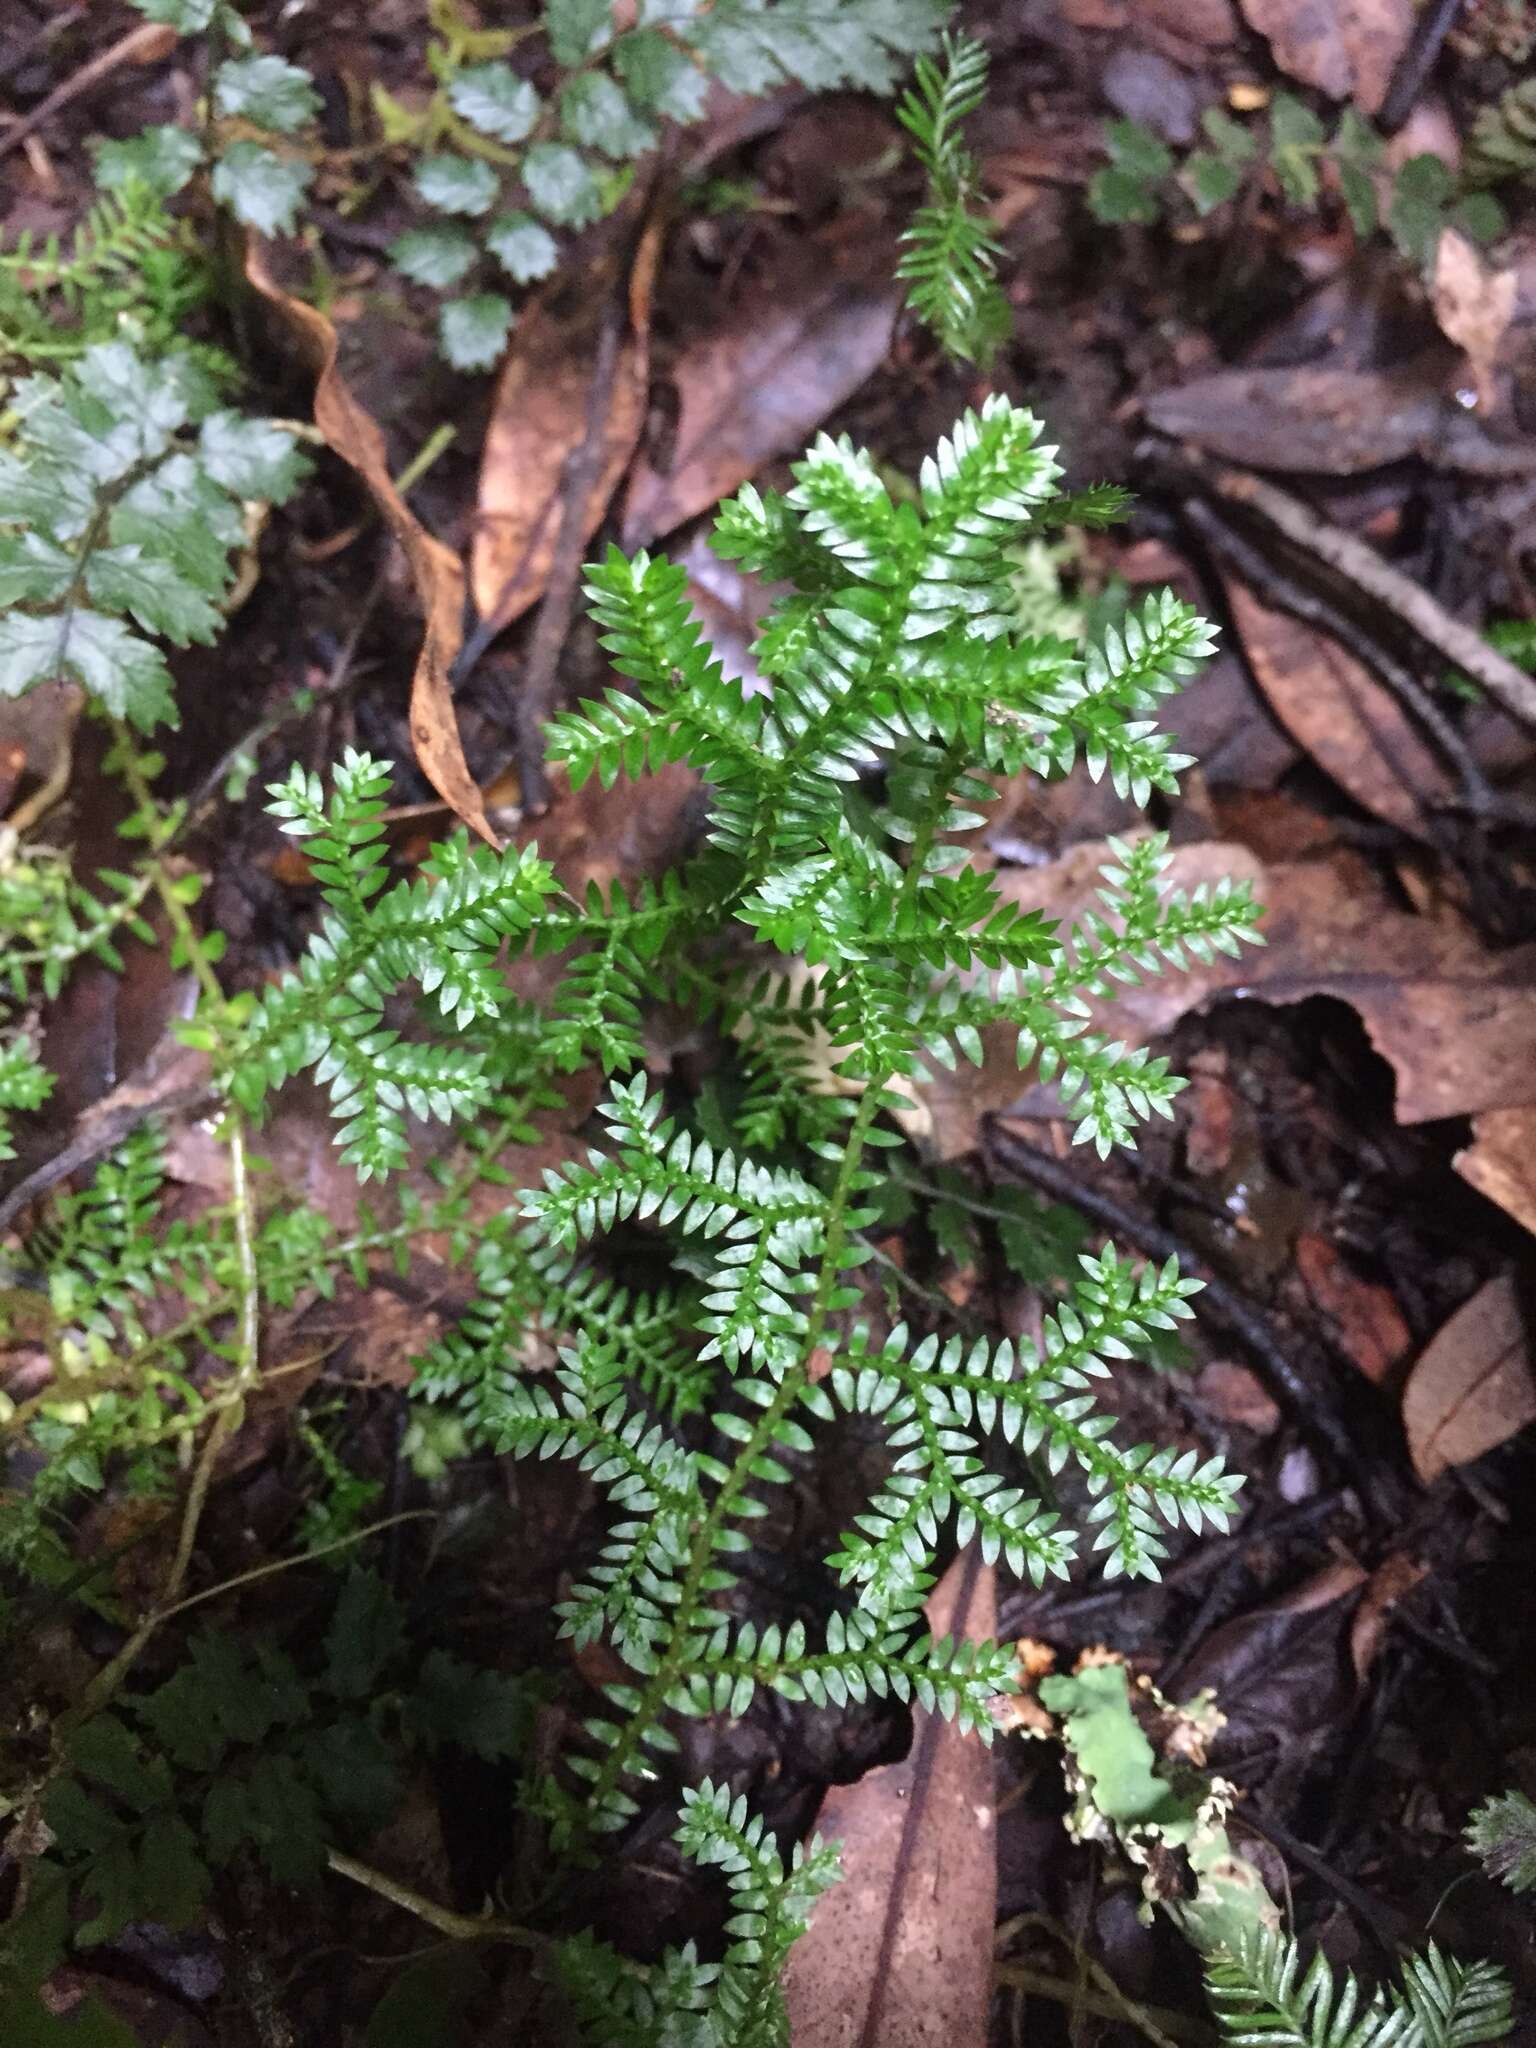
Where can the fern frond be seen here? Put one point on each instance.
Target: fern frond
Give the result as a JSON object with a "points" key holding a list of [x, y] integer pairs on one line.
{"points": [[950, 259], [1456, 2004], [835, 928], [444, 933], [771, 1902], [24, 1084], [1263, 1999]]}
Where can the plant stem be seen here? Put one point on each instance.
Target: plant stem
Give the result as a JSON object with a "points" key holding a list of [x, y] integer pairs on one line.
{"points": [[103, 1687], [1156, 2022], [457, 1926], [669, 1666]]}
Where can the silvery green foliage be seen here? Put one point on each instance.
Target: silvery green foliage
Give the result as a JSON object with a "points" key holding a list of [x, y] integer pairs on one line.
{"points": [[120, 517], [506, 171], [901, 684], [950, 258], [261, 181]]}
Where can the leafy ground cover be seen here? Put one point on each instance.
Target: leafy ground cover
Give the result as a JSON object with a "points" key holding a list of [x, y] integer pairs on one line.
{"points": [[460, 1011]]}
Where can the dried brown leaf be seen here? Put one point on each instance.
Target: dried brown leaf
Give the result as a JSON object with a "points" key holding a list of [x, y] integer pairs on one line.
{"points": [[899, 1954], [1391, 1582], [355, 436], [539, 421], [1320, 422], [1367, 1323], [1346, 48], [1473, 1386], [1501, 1161], [789, 352], [1351, 725], [1474, 304], [1282, 1673]]}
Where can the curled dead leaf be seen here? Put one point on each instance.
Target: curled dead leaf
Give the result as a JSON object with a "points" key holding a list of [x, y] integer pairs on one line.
{"points": [[1367, 1323], [354, 435], [1393, 1580], [1473, 1385]]}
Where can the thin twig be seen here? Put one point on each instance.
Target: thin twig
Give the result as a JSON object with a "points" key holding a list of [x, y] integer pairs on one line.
{"points": [[1411, 72], [1305, 1404], [288, 1564], [146, 44], [553, 626], [1359, 564], [457, 1926], [104, 1686], [1274, 588], [247, 1360], [1160, 2026]]}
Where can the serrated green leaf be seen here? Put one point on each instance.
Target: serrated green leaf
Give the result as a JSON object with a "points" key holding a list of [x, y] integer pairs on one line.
{"points": [[267, 91], [283, 1820], [173, 1879], [180, 513], [33, 569], [125, 579], [1296, 139], [1136, 148], [474, 331], [561, 185], [1118, 197], [438, 255], [1359, 192], [595, 113], [428, 2001], [524, 247], [495, 101], [1356, 141], [116, 1886], [1479, 215], [106, 1751], [659, 76], [1421, 193], [576, 28], [1231, 141], [457, 184], [353, 1771], [29, 652], [123, 672], [1210, 180], [82, 1824], [366, 1631], [161, 159], [251, 458], [482, 1711], [261, 188]]}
